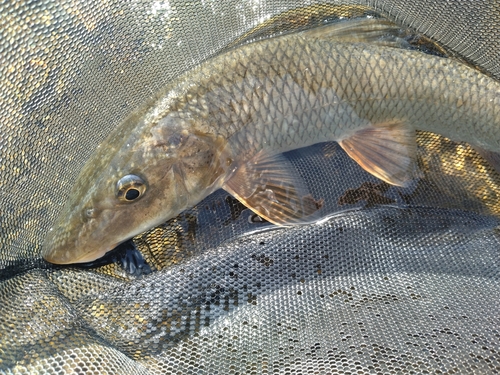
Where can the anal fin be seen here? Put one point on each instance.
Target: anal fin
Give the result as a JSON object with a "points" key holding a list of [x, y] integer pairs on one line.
{"points": [[386, 150], [270, 186]]}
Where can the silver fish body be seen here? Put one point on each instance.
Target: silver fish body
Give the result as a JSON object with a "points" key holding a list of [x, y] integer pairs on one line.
{"points": [[224, 124]]}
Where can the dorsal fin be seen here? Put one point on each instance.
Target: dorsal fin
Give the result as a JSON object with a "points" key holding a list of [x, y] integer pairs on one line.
{"points": [[361, 30]]}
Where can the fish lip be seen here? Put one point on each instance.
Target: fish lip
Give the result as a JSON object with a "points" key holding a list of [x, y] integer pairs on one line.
{"points": [[85, 258], [93, 258]]}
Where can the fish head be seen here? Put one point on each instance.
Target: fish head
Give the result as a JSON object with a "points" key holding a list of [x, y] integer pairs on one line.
{"points": [[136, 180]]}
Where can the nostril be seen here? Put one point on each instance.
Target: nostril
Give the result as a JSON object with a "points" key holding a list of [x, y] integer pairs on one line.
{"points": [[89, 212]]}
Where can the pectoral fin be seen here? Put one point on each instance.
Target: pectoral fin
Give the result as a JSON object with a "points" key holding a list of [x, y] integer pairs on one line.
{"points": [[386, 150], [270, 186]]}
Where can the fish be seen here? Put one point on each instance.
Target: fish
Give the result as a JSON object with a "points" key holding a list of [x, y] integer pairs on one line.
{"points": [[226, 123]]}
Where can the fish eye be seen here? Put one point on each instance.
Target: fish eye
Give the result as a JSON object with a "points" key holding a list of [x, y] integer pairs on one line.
{"points": [[130, 188]]}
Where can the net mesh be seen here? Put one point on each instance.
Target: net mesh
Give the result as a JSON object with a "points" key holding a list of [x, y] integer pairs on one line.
{"points": [[394, 281]]}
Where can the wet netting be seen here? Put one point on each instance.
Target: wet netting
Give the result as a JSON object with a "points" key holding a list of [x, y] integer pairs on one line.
{"points": [[393, 280]]}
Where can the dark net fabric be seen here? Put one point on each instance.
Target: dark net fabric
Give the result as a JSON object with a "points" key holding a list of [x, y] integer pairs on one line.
{"points": [[393, 280]]}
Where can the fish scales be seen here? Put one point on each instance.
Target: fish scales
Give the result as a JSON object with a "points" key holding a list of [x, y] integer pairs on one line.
{"points": [[225, 123], [365, 83]]}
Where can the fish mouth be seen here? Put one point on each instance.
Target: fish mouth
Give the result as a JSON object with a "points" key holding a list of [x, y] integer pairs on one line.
{"points": [[60, 248], [72, 240]]}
